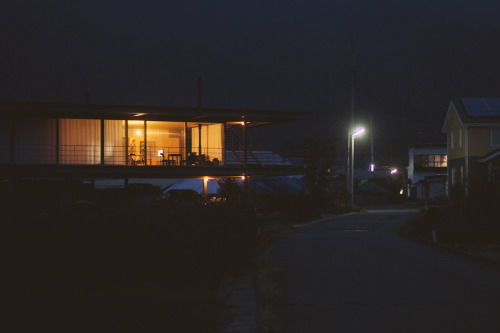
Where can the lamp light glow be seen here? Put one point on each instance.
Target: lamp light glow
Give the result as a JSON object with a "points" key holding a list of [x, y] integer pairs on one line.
{"points": [[372, 167], [138, 132], [393, 171], [358, 132]]}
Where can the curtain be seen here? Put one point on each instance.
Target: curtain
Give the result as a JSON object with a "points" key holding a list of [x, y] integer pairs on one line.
{"points": [[114, 142], [4, 141], [35, 141], [80, 141]]}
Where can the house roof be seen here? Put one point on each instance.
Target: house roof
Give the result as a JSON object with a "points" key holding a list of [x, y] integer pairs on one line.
{"points": [[475, 112], [11, 109], [488, 157]]}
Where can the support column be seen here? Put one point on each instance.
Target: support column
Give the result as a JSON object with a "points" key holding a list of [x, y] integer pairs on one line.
{"points": [[102, 141], [58, 131], [127, 157], [245, 149], [145, 144], [199, 139]]}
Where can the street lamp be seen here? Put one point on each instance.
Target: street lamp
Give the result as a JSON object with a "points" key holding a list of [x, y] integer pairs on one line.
{"points": [[350, 170]]}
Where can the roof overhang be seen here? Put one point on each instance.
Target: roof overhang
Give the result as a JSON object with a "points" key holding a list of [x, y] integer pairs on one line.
{"points": [[15, 110]]}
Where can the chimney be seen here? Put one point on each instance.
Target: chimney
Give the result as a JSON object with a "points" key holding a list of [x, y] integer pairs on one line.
{"points": [[87, 97]]}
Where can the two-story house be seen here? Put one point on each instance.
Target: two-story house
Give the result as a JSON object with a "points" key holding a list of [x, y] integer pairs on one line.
{"points": [[427, 167], [472, 128]]}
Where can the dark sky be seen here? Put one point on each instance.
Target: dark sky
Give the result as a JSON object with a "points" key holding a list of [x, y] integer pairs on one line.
{"points": [[411, 58]]}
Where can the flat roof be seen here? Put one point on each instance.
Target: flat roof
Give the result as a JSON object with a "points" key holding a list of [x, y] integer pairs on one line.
{"points": [[14, 109]]}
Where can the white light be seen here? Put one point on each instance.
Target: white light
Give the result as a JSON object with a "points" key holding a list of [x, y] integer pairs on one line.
{"points": [[372, 167], [358, 132], [242, 123], [242, 177], [160, 152], [401, 191], [138, 132], [393, 171]]}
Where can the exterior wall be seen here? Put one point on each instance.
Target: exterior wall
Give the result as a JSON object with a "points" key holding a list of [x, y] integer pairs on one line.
{"points": [[480, 141], [458, 148]]}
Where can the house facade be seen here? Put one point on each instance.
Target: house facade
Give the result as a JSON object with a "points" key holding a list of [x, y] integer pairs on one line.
{"points": [[472, 128], [116, 141], [425, 162]]}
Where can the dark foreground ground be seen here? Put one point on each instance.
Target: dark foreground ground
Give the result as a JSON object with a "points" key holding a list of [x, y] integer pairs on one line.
{"points": [[355, 274]]}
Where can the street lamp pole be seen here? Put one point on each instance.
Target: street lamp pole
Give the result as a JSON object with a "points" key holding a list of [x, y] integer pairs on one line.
{"points": [[350, 142]]}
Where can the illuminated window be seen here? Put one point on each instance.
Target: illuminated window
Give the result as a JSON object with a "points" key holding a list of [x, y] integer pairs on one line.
{"points": [[431, 161]]}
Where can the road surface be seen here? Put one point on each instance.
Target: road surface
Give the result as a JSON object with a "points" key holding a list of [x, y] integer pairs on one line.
{"points": [[355, 274]]}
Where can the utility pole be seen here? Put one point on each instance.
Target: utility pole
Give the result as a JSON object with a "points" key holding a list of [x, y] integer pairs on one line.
{"points": [[350, 140], [372, 160]]}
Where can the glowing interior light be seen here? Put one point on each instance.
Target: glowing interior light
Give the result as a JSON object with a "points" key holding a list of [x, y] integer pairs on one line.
{"points": [[206, 179], [242, 123], [242, 177], [358, 132], [138, 132], [401, 191], [393, 171], [372, 167]]}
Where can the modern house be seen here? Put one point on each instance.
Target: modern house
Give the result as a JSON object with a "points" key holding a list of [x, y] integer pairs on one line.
{"points": [[472, 128], [427, 168], [57, 140]]}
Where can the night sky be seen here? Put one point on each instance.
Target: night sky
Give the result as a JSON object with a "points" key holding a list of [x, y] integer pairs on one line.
{"points": [[412, 57]]}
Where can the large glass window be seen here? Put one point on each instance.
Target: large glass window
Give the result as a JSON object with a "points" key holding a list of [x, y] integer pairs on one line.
{"points": [[114, 142], [211, 140], [136, 142], [79, 141], [4, 141], [165, 141], [35, 141]]}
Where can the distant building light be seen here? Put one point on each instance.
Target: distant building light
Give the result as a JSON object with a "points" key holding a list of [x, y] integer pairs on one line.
{"points": [[393, 171], [372, 167], [401, 191]]}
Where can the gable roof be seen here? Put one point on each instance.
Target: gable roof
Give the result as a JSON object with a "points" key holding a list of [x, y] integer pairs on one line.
{"points": [[475, 112]]}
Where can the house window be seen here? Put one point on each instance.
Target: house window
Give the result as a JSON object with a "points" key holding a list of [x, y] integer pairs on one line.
{"points": [[431, 161], [495, 136], [452, 141]]}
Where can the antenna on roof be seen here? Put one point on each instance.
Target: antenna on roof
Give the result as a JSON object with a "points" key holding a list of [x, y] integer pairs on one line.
{"points": [[87, 97]]}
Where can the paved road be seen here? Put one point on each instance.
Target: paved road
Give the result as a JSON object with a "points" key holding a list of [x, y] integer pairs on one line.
{"points": [[354, 274]]}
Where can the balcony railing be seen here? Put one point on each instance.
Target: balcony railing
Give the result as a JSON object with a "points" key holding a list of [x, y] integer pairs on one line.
{"points": [[155, 156]]}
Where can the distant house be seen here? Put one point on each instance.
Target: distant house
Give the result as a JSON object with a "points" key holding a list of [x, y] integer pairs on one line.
{"points": [[425, 162], [472, 128]]}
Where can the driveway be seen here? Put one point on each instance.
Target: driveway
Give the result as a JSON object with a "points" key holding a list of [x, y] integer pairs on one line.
{"points": [[353, 273]]}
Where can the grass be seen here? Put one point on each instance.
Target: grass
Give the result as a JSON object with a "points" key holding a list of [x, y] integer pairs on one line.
{"points": [[460, 231]]}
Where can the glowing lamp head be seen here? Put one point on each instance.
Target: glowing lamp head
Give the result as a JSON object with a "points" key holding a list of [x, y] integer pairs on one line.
{"points": [[393, 171], [358, 132], [372, 167]]}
